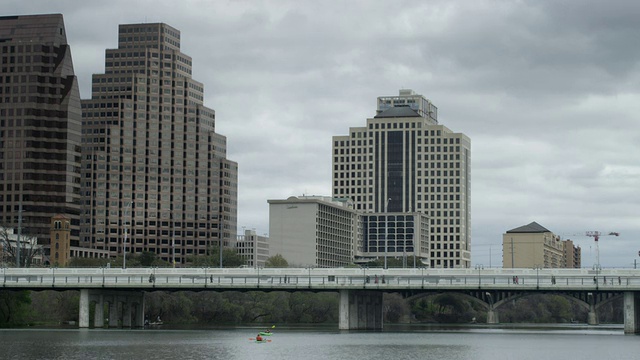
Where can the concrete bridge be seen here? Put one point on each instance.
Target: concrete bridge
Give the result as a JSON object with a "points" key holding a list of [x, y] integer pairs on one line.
{"points": [[360, 289]]}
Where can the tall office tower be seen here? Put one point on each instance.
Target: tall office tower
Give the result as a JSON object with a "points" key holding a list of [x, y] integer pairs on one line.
{"points": [[403, 161], [40, 126], [155, 176]]}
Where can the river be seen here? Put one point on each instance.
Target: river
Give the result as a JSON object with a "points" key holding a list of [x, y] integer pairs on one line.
{"points": [[396, 343]]}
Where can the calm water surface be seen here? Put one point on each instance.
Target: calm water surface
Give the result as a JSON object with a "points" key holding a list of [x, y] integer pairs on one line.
{"points": [[477, 343]]}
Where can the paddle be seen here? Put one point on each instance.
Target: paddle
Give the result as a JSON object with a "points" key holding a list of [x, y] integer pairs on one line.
{"points": [[254, 339]]}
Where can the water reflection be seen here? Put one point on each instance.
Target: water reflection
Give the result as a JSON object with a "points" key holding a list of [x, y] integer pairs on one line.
{"points": [[399, 342]]}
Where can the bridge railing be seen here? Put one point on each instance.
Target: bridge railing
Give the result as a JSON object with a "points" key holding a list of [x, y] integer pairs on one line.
{"points": [[319, 278]]}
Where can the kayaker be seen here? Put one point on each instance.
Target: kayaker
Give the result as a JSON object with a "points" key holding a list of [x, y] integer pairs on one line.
{"points": [[259, 338]]}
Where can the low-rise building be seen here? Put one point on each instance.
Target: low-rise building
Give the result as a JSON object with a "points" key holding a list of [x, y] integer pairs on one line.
{"points": [[253, 248], [532, 245], [313, 231], [322, 231]]}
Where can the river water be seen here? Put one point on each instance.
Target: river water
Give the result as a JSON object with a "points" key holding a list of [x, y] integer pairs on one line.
{"points": [[477, 343]]}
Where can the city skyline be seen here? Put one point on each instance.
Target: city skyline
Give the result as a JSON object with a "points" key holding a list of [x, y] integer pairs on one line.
{"points": [[546, 92]]}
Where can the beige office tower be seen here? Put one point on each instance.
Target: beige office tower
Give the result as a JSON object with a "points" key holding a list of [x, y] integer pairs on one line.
{"points": [[40, 127], [155, 174], [404, 161]]}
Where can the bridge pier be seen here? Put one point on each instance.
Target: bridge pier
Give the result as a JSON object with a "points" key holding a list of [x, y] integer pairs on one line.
{"points": [[360, 310], [113, 311], [83, 316], [592, 317], [98, 315], [492, 317], [131, 305], [631, 313], [126, 312]]}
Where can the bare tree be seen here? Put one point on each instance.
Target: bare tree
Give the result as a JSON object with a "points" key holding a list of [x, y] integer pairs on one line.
{"points": [[28, 247]]}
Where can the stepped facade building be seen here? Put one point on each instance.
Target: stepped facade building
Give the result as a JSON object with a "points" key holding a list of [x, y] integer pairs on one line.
{"points": [[155, 173]]}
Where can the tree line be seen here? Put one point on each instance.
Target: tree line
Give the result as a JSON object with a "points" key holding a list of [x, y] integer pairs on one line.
{"points": [[20, 308]]}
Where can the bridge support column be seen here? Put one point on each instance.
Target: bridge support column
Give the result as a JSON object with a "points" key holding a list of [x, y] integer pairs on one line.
{"points": [[360, 310], [140, 308], [492, 317], [113, 312], [631, 313], [98, 315], [83, 316], [127, 306], [592, 317]]}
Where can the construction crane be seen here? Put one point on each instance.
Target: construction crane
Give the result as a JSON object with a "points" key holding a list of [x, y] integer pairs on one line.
{"points": [[596, 236]]}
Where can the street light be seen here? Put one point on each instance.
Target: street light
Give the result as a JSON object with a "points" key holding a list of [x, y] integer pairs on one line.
{"points": [[537, 267], [479, 267], [124, 245], [18, 242], [364, 276], [597, 268], [221, 228], [173, 242], [258, 275], [386, 230]]}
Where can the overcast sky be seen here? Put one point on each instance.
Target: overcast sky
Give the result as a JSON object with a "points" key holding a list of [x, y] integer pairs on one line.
{"points": [[548, 92]]}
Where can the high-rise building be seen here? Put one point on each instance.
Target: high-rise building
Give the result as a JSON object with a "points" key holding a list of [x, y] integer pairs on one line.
{"points": [[155, 173], [404, 161], [40, 126]]}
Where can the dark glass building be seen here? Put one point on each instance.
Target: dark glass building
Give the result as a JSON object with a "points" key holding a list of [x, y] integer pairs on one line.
{"points": [[40, 126]]}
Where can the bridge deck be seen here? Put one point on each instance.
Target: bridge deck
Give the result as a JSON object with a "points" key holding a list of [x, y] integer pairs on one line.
{"points": [[321, 279]]}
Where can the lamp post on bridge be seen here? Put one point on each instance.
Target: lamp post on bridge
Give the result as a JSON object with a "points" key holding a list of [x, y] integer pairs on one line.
{"points": [[258, 267], [364, 276], [537, 267], [479, 267], [597, 268], [124, 244], [386, 231], [205, 276]]}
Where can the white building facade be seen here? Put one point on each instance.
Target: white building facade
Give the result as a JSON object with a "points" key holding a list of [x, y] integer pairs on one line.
{"points": [[313, 231], [253, 248], [403, 161]]}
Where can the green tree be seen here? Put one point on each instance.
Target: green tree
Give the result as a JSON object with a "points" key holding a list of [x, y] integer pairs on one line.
{"points": [[211, 258], [149, 258], [276, 261], [14, 307], [393, 262], [76, 262]]}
